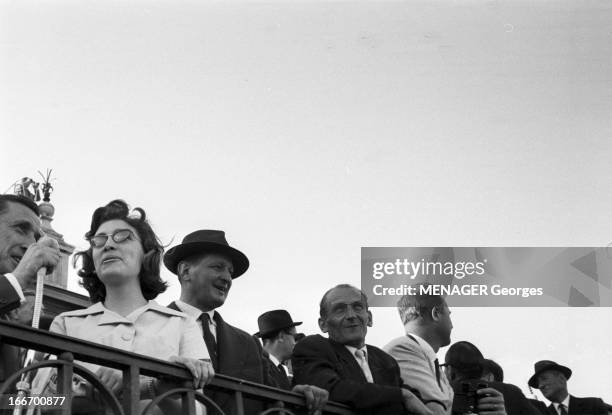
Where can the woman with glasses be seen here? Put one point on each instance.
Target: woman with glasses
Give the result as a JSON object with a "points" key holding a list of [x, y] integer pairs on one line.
{"points": [[121, 272]]}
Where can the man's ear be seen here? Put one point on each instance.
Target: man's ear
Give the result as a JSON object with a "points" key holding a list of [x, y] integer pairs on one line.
{"points": [[435, 313], [370, 320], [182, 270], [323, 324]]}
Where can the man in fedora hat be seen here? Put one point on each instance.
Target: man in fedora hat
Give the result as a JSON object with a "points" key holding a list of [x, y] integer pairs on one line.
{"points": [[551, 378], [206, 266], [277, 333]]}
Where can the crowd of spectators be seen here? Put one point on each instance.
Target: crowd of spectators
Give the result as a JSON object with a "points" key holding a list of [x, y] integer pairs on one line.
{"points": [[121, 272]]}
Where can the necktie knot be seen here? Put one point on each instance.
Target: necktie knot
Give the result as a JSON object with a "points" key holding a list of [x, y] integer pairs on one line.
{"points": [[562, 410]]}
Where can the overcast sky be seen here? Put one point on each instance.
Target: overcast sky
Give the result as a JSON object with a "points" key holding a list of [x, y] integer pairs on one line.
{"points": [[307, 130]]}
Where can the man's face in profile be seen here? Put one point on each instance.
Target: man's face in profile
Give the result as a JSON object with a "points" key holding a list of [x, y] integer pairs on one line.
{"points": [[553, 385], [347, 317], [19, 228]]}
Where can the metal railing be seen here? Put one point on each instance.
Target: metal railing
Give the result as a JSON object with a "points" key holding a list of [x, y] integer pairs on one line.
{"points": [[132, 365]]}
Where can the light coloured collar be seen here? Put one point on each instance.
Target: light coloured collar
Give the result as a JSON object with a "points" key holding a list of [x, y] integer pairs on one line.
{"points": [[427, 349], [565, 403], [111, 317], [274, 359], [352, 350], [194, 311]]}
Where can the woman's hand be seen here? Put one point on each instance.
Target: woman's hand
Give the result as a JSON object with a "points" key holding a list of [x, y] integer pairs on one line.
{"points": [[201, 370]]}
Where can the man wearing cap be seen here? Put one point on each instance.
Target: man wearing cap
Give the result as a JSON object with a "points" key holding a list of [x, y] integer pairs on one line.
{"points": [[551, 378], [277, 333], [464, 363], [206, 266]]}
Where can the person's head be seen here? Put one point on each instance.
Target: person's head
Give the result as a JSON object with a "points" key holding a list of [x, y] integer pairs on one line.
{"points": [[19, 228], [553, 385], [344, 315], [277, 332], [427, 313], [205, 265], [123, 249], [551, 378], [463, 361], [491, 371], [280, 343]]}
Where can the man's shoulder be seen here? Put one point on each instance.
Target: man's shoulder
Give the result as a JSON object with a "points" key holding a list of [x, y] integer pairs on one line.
{"points": [[590, 401], [315, 343], [235, 331], [400, 343], [237, 335]]}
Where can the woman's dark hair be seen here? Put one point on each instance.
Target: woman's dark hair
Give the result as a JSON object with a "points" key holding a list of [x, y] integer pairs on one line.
{"points": [[151, 283]]}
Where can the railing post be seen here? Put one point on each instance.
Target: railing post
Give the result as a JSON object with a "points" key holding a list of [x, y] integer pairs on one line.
{"points": [[188, 404], [64, 383], [131, 390], [239, 403]]}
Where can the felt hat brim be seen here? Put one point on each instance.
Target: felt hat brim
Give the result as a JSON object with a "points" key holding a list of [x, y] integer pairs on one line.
{"points": [[185, 250]]}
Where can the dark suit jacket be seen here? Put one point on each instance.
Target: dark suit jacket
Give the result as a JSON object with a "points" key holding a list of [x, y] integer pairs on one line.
{"points": [[240, 356], [276, 378], [9, 299], [329, 365], [539, 406], [583, 406]]}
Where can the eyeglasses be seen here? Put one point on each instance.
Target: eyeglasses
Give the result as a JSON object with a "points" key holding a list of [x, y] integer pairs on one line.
{"points": [[119, 236]]}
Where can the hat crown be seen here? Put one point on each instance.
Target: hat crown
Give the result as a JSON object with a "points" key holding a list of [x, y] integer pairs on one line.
{"points": [[275, 320], [206, 235], [205, 241]]}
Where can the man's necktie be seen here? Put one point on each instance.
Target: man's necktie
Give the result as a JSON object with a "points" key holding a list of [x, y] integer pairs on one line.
{"points": [[209, 339], [363, 363], [281, 367], [562, 410], [437, 364]]}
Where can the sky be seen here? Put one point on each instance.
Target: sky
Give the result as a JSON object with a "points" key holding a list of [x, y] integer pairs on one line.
{"points": [[309, 129]]}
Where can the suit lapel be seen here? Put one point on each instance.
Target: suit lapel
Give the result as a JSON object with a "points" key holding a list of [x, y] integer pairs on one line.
{"points": [[232, 356], [348, 364], [575, 407]]}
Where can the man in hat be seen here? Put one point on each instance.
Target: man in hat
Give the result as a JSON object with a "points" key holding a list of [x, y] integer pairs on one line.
{"points": [[463, 364], [206, 266], [551, 378], [23, 252], [277, 333]]}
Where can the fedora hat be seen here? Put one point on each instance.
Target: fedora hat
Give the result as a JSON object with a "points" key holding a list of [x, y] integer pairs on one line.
{"points": [[544, 365], [275, 320], [206, 241]]}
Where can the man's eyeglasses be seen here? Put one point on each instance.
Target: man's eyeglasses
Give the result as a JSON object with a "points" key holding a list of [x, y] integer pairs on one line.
{"points": [[119, 236]]}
